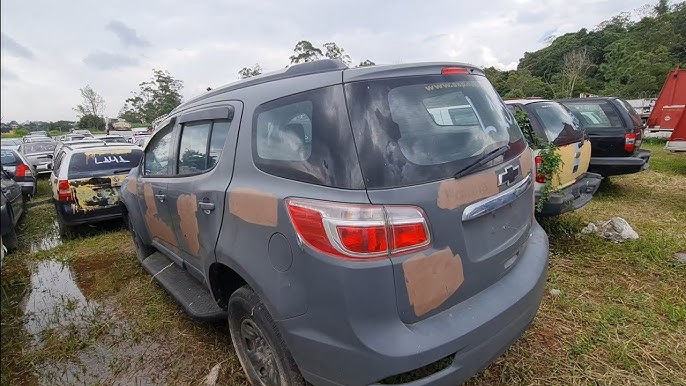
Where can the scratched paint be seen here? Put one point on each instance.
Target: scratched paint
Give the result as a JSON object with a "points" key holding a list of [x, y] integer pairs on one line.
{"points": [[96, 193], [254, 206]]}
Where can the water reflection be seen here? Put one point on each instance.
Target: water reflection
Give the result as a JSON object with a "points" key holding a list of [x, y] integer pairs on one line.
{"points": [[50, 240]]}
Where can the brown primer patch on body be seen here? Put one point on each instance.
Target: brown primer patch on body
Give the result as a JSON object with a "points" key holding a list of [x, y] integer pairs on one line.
{"points": [[254, 207], [526, 162], [131, 187], [457, 192], [431, 280], [187, 207], [157, 227]]}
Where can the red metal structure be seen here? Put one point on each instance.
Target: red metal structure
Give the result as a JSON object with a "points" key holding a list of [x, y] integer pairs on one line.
{"points": [[668, 113]]}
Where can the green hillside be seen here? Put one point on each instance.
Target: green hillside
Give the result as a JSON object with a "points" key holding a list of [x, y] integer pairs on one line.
{"points": [[620, 57]]}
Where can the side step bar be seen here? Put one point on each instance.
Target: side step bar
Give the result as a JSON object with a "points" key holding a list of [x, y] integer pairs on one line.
{"points": [[190, 294]]}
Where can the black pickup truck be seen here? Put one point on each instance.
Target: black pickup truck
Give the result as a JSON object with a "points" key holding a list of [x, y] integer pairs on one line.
{"points": [[616, 132]]}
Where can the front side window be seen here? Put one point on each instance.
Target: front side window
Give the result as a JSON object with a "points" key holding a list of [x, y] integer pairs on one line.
{"points": [[158, 153]]}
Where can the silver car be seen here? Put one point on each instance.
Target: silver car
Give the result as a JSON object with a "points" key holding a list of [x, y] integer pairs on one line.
{"points": [[39, 155], [21, 169]]}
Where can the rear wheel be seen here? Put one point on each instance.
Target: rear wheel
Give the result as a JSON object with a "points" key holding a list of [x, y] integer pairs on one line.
{"points": [[142, 250], [262, 352]]}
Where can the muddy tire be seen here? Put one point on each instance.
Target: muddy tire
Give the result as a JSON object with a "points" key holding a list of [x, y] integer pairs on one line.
{"points": [[262, 352], [142, 250]]}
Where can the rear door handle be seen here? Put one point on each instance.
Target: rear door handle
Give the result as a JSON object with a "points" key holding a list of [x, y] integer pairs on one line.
{"points": [[206, 207], [161, 197]]}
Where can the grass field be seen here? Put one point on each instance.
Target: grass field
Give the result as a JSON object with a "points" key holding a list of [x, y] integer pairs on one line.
{"points": [[617, 315]]}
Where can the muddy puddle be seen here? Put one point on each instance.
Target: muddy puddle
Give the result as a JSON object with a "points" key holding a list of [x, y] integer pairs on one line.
{"points": [[49, 240], [87, 343]]}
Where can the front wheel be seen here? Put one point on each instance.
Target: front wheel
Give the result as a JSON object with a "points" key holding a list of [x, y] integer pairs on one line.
{"points": [[258, 343]]}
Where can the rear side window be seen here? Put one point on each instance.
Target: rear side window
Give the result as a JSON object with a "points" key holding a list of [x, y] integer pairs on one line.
{"points": [[307, 137], [419, 129], [560, 125], [595, 114], [105, 162], [201, 145]]}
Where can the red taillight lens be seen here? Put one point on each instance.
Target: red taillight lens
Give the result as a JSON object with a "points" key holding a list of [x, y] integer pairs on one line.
{"points": [[63, 191], [22, 170], [358, 231], [539, 177], [630, 142], [363, 239], [454, 71]]}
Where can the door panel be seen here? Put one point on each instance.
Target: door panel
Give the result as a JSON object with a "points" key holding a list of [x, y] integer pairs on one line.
{"points": [[197, 193]]}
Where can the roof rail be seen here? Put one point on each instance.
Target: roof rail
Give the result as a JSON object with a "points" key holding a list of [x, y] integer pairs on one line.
{"points": [[301, 69]]}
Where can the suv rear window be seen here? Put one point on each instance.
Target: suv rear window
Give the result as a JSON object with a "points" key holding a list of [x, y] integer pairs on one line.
{"points": [[103, 162], [8, 158], [307, 137], [419, 129], [560, 125], [595, 114], [38, 147]]}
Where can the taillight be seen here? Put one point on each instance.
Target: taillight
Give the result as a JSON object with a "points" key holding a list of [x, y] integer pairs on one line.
{"points": [[63, 191], [540, 178], [630, 142], [454, 71], [358, 231], [23, 171]]}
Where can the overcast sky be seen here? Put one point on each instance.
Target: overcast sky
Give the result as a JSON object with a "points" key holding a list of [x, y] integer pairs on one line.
{"points": [[52, 48]]}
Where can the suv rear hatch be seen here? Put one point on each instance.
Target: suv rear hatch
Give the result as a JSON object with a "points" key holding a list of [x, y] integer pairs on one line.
{"points": [[95, 176], [413, 134], [610, 135]]}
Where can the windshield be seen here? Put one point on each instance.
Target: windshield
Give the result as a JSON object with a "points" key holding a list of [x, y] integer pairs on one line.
{"points": [[560, 125], [103, 162], [594, 113], [418, 129], [8, 158], [39, 147]]}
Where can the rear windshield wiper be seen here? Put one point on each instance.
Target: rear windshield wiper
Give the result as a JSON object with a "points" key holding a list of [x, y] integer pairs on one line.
{"points": [[118, 171], [483, 160]]}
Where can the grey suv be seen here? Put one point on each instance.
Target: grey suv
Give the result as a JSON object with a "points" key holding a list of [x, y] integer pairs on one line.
{"points": [[353, 225]]}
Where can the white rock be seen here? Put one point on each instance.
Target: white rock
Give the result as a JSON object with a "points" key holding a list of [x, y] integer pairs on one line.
{"points": [[555, 292], [680, 256], [590, 228], [617, 230]]}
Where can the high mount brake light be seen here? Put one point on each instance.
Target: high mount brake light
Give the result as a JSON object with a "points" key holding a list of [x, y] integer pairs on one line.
{"points": [[359, 231], [454, 71]]}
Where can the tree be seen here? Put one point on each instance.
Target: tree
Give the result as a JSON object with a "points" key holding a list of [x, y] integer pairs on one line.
{"points": [[305, 52], [156, 98], [574, 67], [247, 72], [366, 63], [333, 51], [92, 103], [92, 122], [661, 8]]}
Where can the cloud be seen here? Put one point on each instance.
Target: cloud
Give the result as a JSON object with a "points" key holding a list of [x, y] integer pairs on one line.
{"points": [[6, 75], [15, 48], [127, 35], [100, 60]]}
